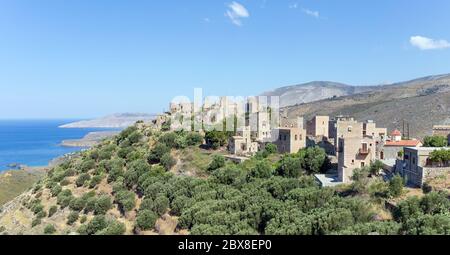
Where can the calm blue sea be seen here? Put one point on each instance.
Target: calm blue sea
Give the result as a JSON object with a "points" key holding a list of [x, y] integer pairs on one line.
{"points": [[35, 142]]}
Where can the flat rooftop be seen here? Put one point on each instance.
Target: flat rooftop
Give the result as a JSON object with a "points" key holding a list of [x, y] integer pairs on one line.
{"points": [[328, 180]]}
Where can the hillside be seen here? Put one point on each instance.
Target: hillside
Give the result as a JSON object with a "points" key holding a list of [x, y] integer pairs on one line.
{"points": [[422, 102], [121, 120], [315, 91], [15, 182], [147, 182]]}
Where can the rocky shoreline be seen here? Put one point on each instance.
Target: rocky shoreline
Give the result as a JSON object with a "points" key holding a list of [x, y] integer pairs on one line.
{"points": [[90, 139]]}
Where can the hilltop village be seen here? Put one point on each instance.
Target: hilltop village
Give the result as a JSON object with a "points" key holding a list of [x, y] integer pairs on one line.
{"points": [[350, 145], [234, 168]]}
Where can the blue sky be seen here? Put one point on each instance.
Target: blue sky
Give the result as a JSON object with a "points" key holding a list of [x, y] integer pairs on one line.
{"points": [[88, 58]]}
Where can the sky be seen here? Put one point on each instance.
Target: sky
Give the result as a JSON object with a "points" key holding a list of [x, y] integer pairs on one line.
{"points": [[89, 58]]}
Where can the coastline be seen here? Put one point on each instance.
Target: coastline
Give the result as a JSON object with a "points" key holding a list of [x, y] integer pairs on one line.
{"points": [[89, 140]]}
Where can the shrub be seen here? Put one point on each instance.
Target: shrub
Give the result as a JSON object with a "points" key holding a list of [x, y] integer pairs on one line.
{"points": [[262, 170], [427, 188], [35, 222], [83, 219], [82, 179], [134, 137], [271, 148], [160, 205], [55, 190], [123, 152], [87, 165], [78, 204], [396, 186], [169, 139], [114, 228], [216, 139], [95, 181], [64, 182], [41, 215], [49, 229], [435, 141], [102, 205], [375, 167], [146, 219], [72, 218], [64, 198], [97, 224], [90, 204], [289, 167], [157, 152], [194, 139], [126, 200], [52, 210], [217, 162], [167, 161]]}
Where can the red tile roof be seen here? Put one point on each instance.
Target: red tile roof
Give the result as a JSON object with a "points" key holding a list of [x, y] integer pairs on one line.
{"points": [[404, 143], [396, 133]]}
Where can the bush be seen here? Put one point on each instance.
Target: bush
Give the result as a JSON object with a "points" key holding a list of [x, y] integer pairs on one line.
{"points": [[167, 161], [87, 165], [271, 148], [35, 222], [217, 162], [97, 224], [435, 141], [82, 179], [55, 190], [114, 228], [157, 152], [169, 139], [262, 170], [289, 167], [72, 218], [83, 219], [396, 186], [160, 205], [375, 167], [78, 204], [146, 220], [134, 137], [52, 210], [90, 204], [49, 229], [194, 139], [216, 139], [123, 152], [126, 200], [102, 205], [427, 188], [95, 181]]}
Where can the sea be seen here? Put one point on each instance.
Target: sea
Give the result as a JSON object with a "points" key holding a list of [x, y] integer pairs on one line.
{"points": [[36, 142]]}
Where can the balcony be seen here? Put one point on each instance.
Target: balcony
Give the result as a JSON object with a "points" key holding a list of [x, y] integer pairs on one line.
{"points": [[364, 151]]}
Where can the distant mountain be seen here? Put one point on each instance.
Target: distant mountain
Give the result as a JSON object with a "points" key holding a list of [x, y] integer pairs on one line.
{"points": [[315, 91], [121, 120], [422, 103]]}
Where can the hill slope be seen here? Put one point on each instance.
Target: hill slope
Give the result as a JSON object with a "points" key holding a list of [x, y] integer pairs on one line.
{"points": [[121, 120], [315, 91], [422, 102]]}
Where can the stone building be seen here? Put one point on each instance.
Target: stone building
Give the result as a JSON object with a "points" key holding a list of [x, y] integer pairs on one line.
{"points": [[391, 149], [290, 140], [318, 126], [343, 127], [355, 152], [417, 167], [442, 130], [242, 143]]}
